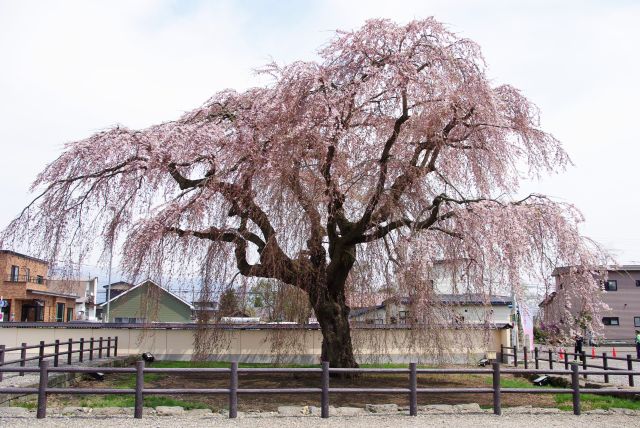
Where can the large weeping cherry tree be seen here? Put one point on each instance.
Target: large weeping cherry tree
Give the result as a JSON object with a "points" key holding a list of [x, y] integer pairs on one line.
{"points": [[392, 152]]}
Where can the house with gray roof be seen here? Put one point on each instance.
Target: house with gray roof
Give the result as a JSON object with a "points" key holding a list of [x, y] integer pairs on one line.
{"points": [[457, 309], [147, 302]]}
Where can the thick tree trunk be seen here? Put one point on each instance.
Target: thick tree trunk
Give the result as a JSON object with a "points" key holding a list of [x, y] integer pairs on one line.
{"points": [[333, 315]]}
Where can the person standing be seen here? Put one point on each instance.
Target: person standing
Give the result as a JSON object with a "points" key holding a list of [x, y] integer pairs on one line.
{"points": [[638, 344], [577, 349]]}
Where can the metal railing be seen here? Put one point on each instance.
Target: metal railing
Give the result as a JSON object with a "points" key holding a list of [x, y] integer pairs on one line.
{"points": [[94, 346], [563, 358], [37, 279], [324, 389]]}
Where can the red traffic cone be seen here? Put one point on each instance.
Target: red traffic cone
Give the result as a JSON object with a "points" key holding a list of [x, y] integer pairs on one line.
{"points": [[593, 352], [561, 354], [613, 351]]}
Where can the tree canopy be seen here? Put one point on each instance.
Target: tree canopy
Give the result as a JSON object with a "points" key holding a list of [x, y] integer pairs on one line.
{"points": [[394, 150]]}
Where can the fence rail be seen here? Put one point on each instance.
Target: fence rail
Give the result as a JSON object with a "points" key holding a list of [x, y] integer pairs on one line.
{"points": [[324, 389], [562, 358], [94, 345]]}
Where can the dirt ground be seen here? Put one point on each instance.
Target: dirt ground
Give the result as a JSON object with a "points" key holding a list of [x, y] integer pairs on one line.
{"points": [[270, 402]]}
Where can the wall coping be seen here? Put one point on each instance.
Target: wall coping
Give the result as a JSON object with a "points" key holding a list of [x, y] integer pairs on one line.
{"points": [[252, 326]]}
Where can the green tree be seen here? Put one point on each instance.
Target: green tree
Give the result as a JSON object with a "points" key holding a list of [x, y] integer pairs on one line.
{"points": [[229, 304], [281, 302]]}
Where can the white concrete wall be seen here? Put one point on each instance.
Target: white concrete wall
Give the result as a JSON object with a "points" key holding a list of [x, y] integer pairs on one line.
{"points": [[277, 345]]}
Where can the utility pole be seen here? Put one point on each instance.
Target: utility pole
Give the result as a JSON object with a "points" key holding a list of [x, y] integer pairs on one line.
{"points": [[109, 284]]}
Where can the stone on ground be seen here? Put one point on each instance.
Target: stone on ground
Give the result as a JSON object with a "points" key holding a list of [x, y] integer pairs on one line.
{"points": [[198, 412], [75, 410], [317, 411], [169, 410], [467, 407], [382, 408], [291, 410], [436, 408]]}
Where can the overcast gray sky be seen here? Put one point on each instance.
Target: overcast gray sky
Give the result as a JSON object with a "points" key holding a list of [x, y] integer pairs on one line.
{"points": [[70, 68]]}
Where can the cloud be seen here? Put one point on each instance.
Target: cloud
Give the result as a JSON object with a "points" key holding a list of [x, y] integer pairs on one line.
{"points": [[72, 68]]}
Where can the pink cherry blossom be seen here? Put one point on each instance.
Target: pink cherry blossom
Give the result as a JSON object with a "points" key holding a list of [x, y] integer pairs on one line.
{"points": [[357, 172]]}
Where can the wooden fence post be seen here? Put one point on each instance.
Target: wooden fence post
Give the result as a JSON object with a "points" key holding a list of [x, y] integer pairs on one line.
{"points": [[23, 356], [501, 353], [91, 349], [233, 391], [630, 367], [605, 366], [115, 347], [497, 407], [566, 361], [108, 346], [41, 353], [42, 389], [81, 357], [413, 387], [139, 400], [575, 386], [526, 358], [535, 357], [69, 351], [324, 400], [100, 348], [550, 359], [56, 353], [515, 356], [583, 357], [2, 348]]}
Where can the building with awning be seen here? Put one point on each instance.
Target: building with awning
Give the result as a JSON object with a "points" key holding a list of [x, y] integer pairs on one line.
{"points": [[25, 293]]}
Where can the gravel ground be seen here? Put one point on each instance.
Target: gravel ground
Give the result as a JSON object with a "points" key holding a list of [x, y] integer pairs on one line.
{"points": [[455, 420], [32, 378]]}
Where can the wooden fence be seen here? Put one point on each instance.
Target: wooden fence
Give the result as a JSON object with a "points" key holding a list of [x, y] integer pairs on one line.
{"points": [[324, 390], [93, 346], [562, 358]]}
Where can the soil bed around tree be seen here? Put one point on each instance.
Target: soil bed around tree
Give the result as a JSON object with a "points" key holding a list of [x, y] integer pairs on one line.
{"points": [[270, 402]]}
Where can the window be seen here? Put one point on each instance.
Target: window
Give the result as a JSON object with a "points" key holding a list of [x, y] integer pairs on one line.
{"points": [[637, 282], [403, 315], [69, 314], [40, 313], [59, 312], [40, 279], [611, 321], [27, 274], [127, 320], [15, 273], [611, 285], [636, 321]]}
